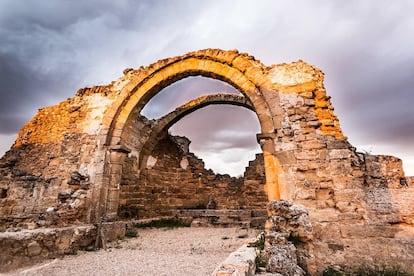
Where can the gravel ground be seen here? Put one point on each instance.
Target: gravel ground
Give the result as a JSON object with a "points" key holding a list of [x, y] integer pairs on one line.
{"points": [[180, 251]]}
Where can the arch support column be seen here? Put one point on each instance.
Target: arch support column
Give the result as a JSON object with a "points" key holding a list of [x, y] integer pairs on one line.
{"points": [[271, 163], [116, 160]]}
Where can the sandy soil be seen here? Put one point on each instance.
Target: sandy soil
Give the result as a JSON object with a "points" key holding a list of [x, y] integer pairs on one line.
{"points": [[181, 251]]}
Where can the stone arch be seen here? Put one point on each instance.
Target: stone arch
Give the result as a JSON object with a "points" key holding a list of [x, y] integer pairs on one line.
{"points": [[239, 70], [165, 122]]}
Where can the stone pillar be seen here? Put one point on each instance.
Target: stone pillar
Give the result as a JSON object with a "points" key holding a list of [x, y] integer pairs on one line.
{"points": [[271, 164], [117, 158]]}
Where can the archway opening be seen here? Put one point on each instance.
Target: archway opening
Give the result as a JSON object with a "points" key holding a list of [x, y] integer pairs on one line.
{"points": [[238, 70], [223, 136], [177, 176]]}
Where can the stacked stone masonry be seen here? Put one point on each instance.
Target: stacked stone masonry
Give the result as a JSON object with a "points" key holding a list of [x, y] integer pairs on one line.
{"points": [[89, 159], [179, 180], [31, 246]]}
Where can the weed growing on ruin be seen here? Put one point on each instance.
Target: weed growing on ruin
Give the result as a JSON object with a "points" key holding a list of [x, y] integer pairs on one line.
{"points": [[259, 243], [295, 239], [260, 261], [330, 271], [131, 233]]}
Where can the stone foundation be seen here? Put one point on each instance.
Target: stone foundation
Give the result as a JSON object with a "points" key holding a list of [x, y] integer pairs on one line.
{"points": [[28, 247]]}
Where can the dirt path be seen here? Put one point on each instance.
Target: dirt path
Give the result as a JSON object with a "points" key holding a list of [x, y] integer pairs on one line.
{"points": [[181, 251]]}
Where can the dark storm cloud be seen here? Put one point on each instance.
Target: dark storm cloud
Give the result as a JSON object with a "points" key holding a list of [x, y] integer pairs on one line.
{"points": [[61, 15], [13, 87], [25, 89], [369, 65], [49, 49], [374, 99], [21, 91]]}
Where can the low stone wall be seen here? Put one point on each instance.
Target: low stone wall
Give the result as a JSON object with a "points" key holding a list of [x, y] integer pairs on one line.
{"points": [[28, 247]]}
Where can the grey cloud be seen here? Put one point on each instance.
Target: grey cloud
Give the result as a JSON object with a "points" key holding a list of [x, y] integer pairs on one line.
{"points": [[24, 90], [217, 128], [15, 101], [375, 103], [59, 15], [247, 142]]}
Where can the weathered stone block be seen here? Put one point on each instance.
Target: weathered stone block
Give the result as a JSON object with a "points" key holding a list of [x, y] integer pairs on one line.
{"points": [[283, 260], [339, 154], [33, 249], [305, 194], [308, 145], [324, 215], [324, 194], [240, 262]]}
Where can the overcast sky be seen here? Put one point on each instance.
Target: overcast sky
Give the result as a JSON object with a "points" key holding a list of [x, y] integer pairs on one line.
{"points": [[50, 48]]}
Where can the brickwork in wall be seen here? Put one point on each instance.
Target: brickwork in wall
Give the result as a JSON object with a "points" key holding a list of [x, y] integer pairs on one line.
{"points": [[179, 180]]}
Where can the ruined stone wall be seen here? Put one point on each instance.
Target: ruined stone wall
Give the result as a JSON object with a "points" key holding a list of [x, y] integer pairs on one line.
{"points": [[43, 191], [359, 205], [70, 162], [177, 179], [28, 247], [47, 176]]}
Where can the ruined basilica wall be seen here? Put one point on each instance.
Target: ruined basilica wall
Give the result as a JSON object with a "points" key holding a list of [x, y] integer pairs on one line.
{"points": [[360, 205], [48, 174], [177, 179]]}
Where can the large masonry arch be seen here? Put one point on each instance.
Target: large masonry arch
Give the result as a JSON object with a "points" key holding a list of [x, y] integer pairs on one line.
{"points": [[66, 165], [168, 172], [165, 122], [239, 70]]}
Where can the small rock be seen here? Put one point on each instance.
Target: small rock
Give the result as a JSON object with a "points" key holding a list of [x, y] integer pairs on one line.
{"points": [[33, 249]]}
